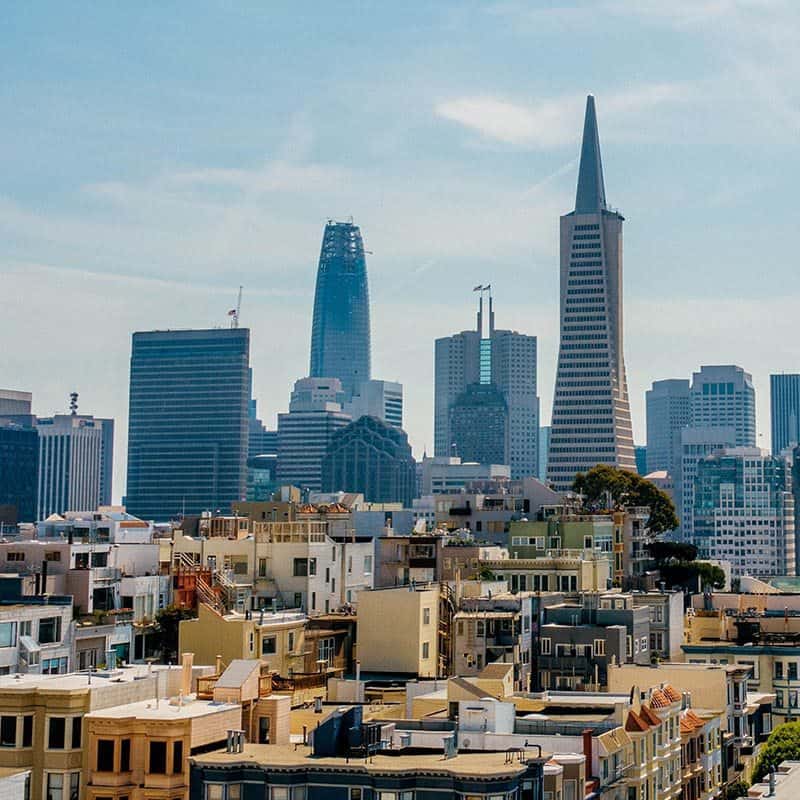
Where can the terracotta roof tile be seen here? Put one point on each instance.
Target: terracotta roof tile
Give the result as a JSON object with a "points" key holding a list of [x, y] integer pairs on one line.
{"points": [[658, 699], [635, 722], [672, 693]]}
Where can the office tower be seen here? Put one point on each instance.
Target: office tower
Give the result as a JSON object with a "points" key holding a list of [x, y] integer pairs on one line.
{"points": [[784, 393], [479, 425], [591, 421], [696, 443], [19, 471], [70, 463], [304, 433], [187, 427], [503, 358], [640, 454], [372, 458], [744, 512], [106, 461], [723, 396], [667, 404], [544, 446], [14, 403], [340, 333], [260, 441], [374, 398]]}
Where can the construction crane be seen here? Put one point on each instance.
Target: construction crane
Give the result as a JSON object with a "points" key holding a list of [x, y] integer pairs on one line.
{"points": [[234, 312]]}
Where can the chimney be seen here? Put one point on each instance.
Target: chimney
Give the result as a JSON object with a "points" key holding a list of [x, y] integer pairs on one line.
{"points": [[588, 744], [186, 674], [358, 670], [218, 664]]}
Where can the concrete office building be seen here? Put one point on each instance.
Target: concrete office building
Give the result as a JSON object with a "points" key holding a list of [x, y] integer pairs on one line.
{"points": [[14, 402], [374, 398], [444, 475], [696, 443], [667, 404], [591, 421], [744, 512], [484, 357], [188, 422], [723, 396], [304, 433], [784, 393], [340, 332], [372, 458]]}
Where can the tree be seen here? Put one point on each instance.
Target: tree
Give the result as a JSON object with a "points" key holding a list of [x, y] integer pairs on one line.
{"points": [[736, 790], [167, 627], [604, 486], [672, 551], [783, 745]]}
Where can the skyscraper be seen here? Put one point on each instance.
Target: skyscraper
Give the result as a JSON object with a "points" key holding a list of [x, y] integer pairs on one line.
{"points": [[591, 421], [315, 414], [381, 399], [479, 425], [784, 393], [723, 396], [503, 358], [188, 421], [340, 332], [19, 471], [667, 404]]}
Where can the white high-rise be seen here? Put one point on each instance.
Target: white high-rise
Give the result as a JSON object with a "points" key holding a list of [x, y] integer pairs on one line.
{"points": [[723, 396], [591, 421]]}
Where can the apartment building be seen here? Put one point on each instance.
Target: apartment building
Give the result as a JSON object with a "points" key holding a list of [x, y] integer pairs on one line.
{"points": [[569, 571]]}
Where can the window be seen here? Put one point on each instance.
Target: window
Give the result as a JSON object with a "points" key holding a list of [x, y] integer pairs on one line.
{"points": [[49, 630], [599, 648], [215, 791], [313, 601], [268, 646], [326, 650], [55, 786], [177, 758], [158, 758], [27, 730], [8, 731], [56, 733], [312, 566], [629, 646], [779, 669], [545, 645], [74, 785], [355, 793], [8, 634], [262, 567], [298, 599], [291, 642], [125, 755], [479, 628], [105, 755], [77, 728], [300, 568], [52, 555], [643, 645], [12, 556], [100, 559], [367, 569], [327, 574], [426, 649], [426, 616]]}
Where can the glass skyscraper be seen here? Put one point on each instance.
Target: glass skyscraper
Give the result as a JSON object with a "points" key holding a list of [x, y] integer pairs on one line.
{"points": [[784, 392], [340, 332], [591, 421], [188, 421]]}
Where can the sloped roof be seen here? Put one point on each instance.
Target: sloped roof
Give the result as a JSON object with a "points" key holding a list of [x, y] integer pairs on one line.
{"points": [[635, 723], [497, 671], [238, 671]]}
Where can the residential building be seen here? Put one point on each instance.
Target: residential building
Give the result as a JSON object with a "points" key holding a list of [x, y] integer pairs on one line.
{"points": [[578, 641], [744, 512], [666, 621], [368, 767], [570, 571], [467, 364], [372, 458], [723, 396], [188, 421], [411, 644], [443, 474], [340, 332], [305, 432], [479, 425], [374, 398], [668, 412], [696, 443], [70, 463], [19, 472], [784, 393], [591, 422]]}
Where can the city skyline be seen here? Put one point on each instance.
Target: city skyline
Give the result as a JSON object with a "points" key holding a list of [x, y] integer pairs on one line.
{"points": [[455, 174]]}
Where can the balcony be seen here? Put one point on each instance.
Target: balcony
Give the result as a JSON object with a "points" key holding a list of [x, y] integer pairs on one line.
{"points": [[571, 665]]}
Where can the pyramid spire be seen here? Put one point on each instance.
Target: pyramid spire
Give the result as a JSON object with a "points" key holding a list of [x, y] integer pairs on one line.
{"points": [[591, 194]]}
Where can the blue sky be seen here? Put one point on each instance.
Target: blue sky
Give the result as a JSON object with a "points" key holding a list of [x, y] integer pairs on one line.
{"points": [[154, 156]]}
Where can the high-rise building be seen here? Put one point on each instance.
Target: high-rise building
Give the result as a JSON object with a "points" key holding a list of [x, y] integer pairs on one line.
{"points": [[667, 404], [340, 333], [381, 399], [723, 396], [304, 433], [106, 461], [372, 458], [503, 358], [70, 463], [591, 421], [744, 512], [19, 471], [188, 422], [696, 443], [13, 402], [544, 446], [784, 393], [479, 425]]}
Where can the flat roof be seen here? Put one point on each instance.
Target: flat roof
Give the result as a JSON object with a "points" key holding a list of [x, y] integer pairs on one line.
{"points": [[164, 709], [275, 757]]}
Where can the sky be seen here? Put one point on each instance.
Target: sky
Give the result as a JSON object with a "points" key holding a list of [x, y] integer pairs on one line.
{"points": [[156, 156]]}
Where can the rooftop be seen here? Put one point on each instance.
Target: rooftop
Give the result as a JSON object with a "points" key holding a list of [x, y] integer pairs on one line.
{"points": [[164, 710]]}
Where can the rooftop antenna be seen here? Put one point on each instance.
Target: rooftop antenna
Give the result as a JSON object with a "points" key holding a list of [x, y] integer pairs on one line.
{"points": [[234, 312], [73, 403]]}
